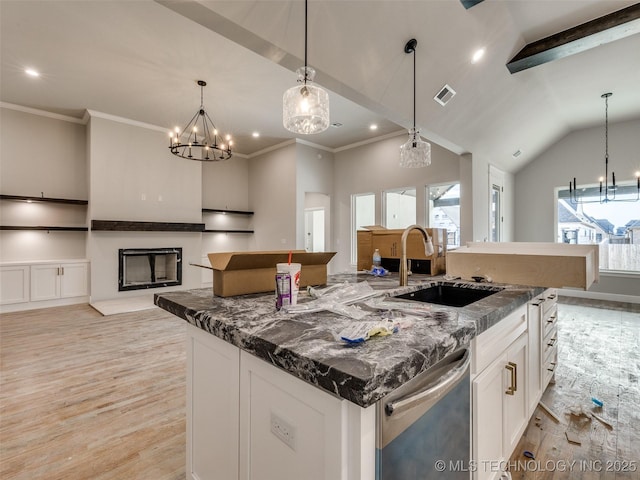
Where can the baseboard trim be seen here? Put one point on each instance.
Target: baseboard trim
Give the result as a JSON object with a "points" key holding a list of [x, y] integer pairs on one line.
{"points": [[59, 302], [611, 297]]}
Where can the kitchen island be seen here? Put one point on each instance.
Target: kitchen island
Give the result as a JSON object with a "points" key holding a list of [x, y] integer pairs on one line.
{"points": [[333, 386]]}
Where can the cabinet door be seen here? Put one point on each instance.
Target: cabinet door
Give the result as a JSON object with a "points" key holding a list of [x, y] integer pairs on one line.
{"points": [[515, 405], [213, 392], [45, 282], [74, 280], [14, 284], [488, 398], [290, 430]]}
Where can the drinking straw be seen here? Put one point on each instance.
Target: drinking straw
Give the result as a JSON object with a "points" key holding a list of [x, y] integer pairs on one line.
{"points": [[290, 257]]}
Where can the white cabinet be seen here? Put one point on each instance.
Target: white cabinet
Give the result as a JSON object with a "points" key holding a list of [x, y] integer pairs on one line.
{"points": [[59, 280], [212, 407], [42, 284], [499, 392], [248, 420], [14, 284], [543, 351]]}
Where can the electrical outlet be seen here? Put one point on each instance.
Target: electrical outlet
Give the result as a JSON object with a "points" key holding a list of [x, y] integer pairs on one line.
{"points": [[283, 430]]}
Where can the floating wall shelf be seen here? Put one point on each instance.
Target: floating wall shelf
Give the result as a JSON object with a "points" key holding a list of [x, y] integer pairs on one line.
{"points": [[230, 212], [227, 231], [128, 226], [22, 198], [44, 228]]}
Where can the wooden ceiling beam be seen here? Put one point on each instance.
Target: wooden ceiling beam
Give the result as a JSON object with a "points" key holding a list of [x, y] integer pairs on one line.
{"points": [[470, 3], [616, 25]]}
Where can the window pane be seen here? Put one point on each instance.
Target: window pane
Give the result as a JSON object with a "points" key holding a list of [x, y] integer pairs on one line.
{"points": [[363, 214], [400, 208], [614, 226], [444, 210], [495, 213]]}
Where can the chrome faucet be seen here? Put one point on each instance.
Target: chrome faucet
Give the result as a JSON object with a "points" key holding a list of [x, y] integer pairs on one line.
{"points": [[428, 250]]}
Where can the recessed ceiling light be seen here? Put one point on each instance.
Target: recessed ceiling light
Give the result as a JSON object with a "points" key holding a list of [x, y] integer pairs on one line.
{"points": [[477, 56], [373, 126], [336, 124], [255, 134], [31, 72]]}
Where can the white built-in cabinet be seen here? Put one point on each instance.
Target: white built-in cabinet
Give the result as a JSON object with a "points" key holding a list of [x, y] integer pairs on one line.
{"points": [[512, 364], [59, 280], [43, 284], [14, 284], [499, 392], [248, 420]]}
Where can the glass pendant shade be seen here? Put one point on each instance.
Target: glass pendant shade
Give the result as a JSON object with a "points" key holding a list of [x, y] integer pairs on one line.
{"points": [[305, 107], [415, 153]]}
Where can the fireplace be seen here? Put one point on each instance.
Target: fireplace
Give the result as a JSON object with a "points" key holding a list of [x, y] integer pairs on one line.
{"points": [[141, 268]]}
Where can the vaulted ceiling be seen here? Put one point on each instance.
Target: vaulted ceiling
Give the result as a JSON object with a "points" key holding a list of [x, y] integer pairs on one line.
{"points": [[140, 60]]}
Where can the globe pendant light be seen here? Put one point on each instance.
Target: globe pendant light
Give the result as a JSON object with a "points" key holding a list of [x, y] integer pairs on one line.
{"points": [[305, 109], [415, 153]]}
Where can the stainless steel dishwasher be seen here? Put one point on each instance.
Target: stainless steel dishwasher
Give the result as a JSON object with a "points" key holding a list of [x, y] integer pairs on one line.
{"points": [[423, 428]]}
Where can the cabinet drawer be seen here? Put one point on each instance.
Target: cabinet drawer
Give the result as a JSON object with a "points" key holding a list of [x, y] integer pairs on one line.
{"points": [[550, 301], [550, 320], [487, 346], [549, 343], [549, 367]]}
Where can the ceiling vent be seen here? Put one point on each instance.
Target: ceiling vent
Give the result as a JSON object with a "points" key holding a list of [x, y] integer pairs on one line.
{"points": [[444, 95]]}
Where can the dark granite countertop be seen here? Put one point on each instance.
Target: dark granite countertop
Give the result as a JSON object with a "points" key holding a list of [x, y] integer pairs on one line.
{"points": [[307, 346]]}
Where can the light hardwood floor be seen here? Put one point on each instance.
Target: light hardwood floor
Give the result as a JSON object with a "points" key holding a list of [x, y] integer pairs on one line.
{"points": [[84, 396]]}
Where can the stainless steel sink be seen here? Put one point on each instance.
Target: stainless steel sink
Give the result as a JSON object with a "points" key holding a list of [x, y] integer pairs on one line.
{"points": [[450, 295]]}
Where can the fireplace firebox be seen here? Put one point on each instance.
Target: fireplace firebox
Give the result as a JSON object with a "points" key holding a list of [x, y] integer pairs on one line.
{"points": [[141, 268]]}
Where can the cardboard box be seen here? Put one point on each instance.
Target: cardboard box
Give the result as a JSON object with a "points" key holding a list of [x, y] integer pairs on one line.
{"points": [[388, 241], [240, 273]]}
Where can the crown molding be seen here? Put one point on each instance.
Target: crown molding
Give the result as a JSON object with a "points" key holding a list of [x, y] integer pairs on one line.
{"points": [[127, 121], [42, 113], [370, 140]]}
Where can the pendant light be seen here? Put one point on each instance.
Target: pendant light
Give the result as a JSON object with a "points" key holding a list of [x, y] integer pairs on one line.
{"points": [[415, 153], [608, 193], [305, 109], [202, 141]]}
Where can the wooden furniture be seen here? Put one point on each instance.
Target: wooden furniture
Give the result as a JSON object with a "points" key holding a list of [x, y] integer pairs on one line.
{"points": [[522, 263], [387, 241]]}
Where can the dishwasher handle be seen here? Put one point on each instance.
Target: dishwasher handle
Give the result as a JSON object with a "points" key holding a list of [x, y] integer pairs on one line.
{"points": [[457, 371]]}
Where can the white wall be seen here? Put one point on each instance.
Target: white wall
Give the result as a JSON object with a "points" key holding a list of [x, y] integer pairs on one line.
{"points": [[133, 176], [374, 168], [579, 154], [41, 156], [273, 199], [225, 185]]}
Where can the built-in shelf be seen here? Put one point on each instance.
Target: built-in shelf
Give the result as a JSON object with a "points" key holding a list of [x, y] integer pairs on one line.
{"points": [[22, 198], [129, 226], [230, 212], [44, 228], [226, 231]]}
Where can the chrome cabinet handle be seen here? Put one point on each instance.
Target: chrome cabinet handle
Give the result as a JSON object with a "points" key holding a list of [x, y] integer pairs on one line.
{"points": [[552, 319], [513, 368], [551, 342]]}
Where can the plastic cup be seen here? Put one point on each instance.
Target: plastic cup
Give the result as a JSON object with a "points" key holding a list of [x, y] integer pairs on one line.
{"points": [[292, 269]]}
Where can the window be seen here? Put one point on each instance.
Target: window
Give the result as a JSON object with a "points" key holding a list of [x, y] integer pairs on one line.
{"points": [[496, 189], [443, 205], [614, 226], [400, 207], [363, 213]]}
